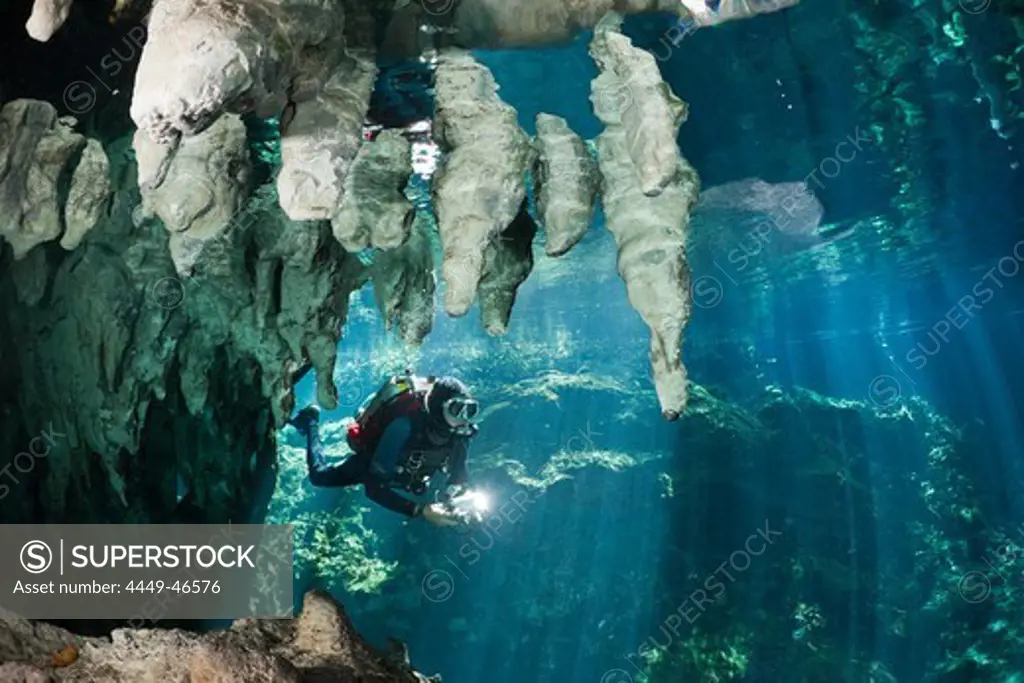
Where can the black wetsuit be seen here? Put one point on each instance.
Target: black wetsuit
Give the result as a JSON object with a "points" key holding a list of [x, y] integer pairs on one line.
{"points": [[408, 454]]}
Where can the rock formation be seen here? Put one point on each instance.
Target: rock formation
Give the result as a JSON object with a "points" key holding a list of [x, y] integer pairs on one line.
{"points": [[374, 210], [630, 93], [404, 284], [507, 263], [203, 185], [565, 184], [320, 644], [173, 377], [47, 16], [647, 202], [38, 155], [322, 139], [481, 183]]}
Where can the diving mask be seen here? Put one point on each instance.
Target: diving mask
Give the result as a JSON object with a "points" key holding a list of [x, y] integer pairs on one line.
{"points": [[461, 414]]}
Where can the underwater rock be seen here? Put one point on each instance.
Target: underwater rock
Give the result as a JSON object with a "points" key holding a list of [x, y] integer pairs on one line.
{"points": [[149, 381], [36, 150], [629, 92], [374, 211], [203, 57], [479, 188], [322, 139], [566, 181], [46, 18], [650, 230], [204, 185], [404, 285], [87, 198], [524, 23], [507, 263], [320, 644], [729, 10]]}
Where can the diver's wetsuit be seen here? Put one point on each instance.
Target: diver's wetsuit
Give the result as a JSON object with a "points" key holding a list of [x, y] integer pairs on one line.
{"points": [[406, 456]]}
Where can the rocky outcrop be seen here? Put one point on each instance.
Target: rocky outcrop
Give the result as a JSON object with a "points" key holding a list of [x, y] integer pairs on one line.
{"points": [[320, 644], [525, 23], [87, 198], [321, 141], [481, 183], [374, 211], [38, 155], [650, 228], [204, 58], [202, 187], [163, 384], [507, 263], [630, 93], [565, 184], [729, 10], [47, 16], [404, 285]]}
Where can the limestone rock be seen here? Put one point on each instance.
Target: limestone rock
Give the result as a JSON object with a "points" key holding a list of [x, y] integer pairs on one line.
{"points": [[404, 285], [507, 263], [204, 186], [629, 92], [90, 190], [204, 57], [47, 16], [729, 10], [194, 370], [35, 151], [566, 181], [522, 23], [321, 644], [322, 139], [650, 232], [374, 210], [480, 185]]}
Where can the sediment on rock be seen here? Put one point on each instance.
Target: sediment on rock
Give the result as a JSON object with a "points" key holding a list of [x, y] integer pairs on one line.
{"points": [[481, 183], [649, 230], [320, 644], [404, 285], [508, 261], [565, 182], [374, 210]]}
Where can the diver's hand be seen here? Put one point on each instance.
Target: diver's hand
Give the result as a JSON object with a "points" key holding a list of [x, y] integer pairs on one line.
{"points": [[438, 516]]}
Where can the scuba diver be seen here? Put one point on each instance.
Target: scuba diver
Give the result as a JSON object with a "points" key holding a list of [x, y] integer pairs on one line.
{"points": [[409, 430]]}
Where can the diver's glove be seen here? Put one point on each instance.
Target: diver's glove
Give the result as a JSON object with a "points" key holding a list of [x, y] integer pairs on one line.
{"points": [[451, 491], [437, 515], [306, 418]]}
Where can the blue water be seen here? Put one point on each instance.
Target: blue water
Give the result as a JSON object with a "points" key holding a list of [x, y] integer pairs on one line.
{"points": [[584, 574]]}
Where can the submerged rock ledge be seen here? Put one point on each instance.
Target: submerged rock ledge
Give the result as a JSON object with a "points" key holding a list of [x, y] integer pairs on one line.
{"points": [[321, 644]]}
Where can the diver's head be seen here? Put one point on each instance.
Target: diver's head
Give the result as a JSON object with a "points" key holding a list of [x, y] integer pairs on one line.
{"points": [[451, 405]]}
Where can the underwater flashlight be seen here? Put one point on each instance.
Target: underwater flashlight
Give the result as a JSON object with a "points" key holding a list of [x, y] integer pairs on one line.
{"points": [[470, 505]]}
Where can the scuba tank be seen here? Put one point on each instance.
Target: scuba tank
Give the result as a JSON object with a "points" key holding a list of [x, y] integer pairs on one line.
{"points": [[401, 395]]}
